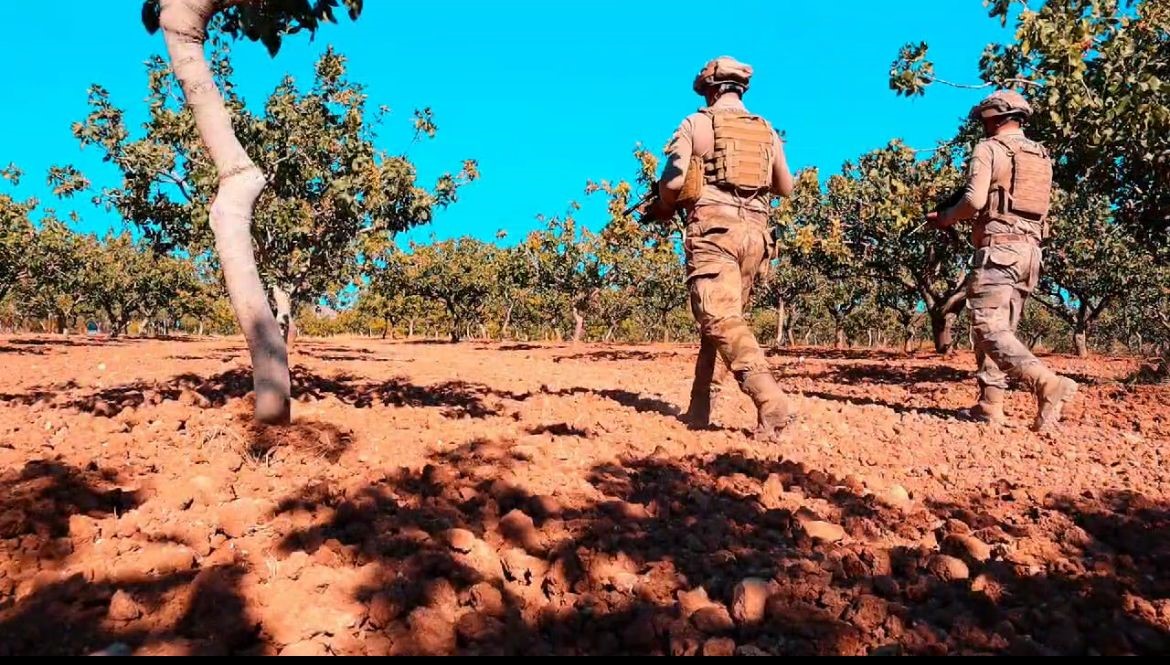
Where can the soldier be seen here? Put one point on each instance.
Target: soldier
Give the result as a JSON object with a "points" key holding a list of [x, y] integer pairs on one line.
{"points": [[723, 166], [1007, 195]]}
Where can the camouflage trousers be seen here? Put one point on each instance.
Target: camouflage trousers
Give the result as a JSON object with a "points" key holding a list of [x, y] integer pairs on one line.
{"points": [[723, 257], [1001, 280]]}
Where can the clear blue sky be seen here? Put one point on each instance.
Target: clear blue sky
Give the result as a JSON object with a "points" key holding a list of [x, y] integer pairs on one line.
{"points": [[545, 95]]}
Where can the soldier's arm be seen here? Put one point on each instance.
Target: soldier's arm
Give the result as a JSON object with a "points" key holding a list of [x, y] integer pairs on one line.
{"points": [[678, 158], [781, 176], [979, 171]]}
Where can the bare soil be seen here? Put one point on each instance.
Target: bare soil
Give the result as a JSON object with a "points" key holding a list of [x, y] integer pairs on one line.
{"points": [[530, 499]]}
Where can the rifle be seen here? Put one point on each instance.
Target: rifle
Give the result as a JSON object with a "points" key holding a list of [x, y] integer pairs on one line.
{"points": [[644, 203], [949, 202]]}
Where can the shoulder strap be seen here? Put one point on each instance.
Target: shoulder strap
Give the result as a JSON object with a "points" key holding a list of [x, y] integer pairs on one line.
{"points": [[1011, 151]]}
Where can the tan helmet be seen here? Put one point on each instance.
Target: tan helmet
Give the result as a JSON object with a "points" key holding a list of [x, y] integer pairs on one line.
{"points": [[723, 69], [1001, 103]]}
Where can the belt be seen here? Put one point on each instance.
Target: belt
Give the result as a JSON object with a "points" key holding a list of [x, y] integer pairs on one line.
{"points": [[1008, 239]]}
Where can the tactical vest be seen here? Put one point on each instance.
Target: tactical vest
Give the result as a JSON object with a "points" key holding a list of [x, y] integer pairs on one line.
{"points": [[740, 161], [1020, 205]]}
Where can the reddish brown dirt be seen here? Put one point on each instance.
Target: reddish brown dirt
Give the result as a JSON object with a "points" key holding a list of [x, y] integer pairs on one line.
{"points": [[519, 499]]}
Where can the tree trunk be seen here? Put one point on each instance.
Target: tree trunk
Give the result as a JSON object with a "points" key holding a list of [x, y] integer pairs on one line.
{"points": [[1034, 343], [284, 315], [578, 325], [781, 316], [1081, 339], [941, 330], [507, 321], [184, 25]]}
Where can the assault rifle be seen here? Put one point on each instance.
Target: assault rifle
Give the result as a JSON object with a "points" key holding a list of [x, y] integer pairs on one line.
{"points": [[644, 204]]}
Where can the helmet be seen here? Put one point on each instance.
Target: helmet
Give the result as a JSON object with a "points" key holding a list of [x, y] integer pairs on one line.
{"points": [[1001, 103], [723, 69]]}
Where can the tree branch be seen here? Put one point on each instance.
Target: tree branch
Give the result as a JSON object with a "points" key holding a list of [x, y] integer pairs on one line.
{"points": [[989, 84], [178, 182], [1060, 310]]}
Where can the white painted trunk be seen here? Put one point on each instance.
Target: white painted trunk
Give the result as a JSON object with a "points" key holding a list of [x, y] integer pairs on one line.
{"points": [[184, 25]]}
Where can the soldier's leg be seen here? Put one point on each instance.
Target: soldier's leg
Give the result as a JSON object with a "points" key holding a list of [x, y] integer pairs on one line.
{"points": [[706, 367], [716, 291], [723, 379], [775, 410], [1052, 391], [995, 310], [992, 389]]}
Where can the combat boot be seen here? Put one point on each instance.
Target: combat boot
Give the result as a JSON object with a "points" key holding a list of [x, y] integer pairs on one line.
{"points": [[698, 415], [1052, 393], [702, 406], [774, 411], [989, 408]]}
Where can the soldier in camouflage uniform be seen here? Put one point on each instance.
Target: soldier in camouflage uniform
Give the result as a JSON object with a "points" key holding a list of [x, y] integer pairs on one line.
{"points": [[723, 166], [1007, 195]]}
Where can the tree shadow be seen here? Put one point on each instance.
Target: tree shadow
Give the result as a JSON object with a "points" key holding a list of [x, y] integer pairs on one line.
{"points": [[21, 351], [66, 341], [459, 558], [77, 617], [428, 342], [821, 353], [618, 355], [939, 412], [631, 400], [885, 374], [560, 429], [37, 502], [470, 563], [457, 399], [341, 357], [316, 347], [221, 357], [518, 346]]}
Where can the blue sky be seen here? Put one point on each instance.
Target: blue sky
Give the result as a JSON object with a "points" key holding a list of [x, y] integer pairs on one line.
{"points": [[545, 95]]}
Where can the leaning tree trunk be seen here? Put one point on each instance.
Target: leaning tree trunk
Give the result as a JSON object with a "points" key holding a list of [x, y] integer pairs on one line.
{"points": [[184, 25], [781, 316], [942, 331], [507, 321]]}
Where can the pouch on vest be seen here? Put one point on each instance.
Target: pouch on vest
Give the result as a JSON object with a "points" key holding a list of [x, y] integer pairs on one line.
{"points": [[742, 158], [1031, 187], [692, 187]]}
